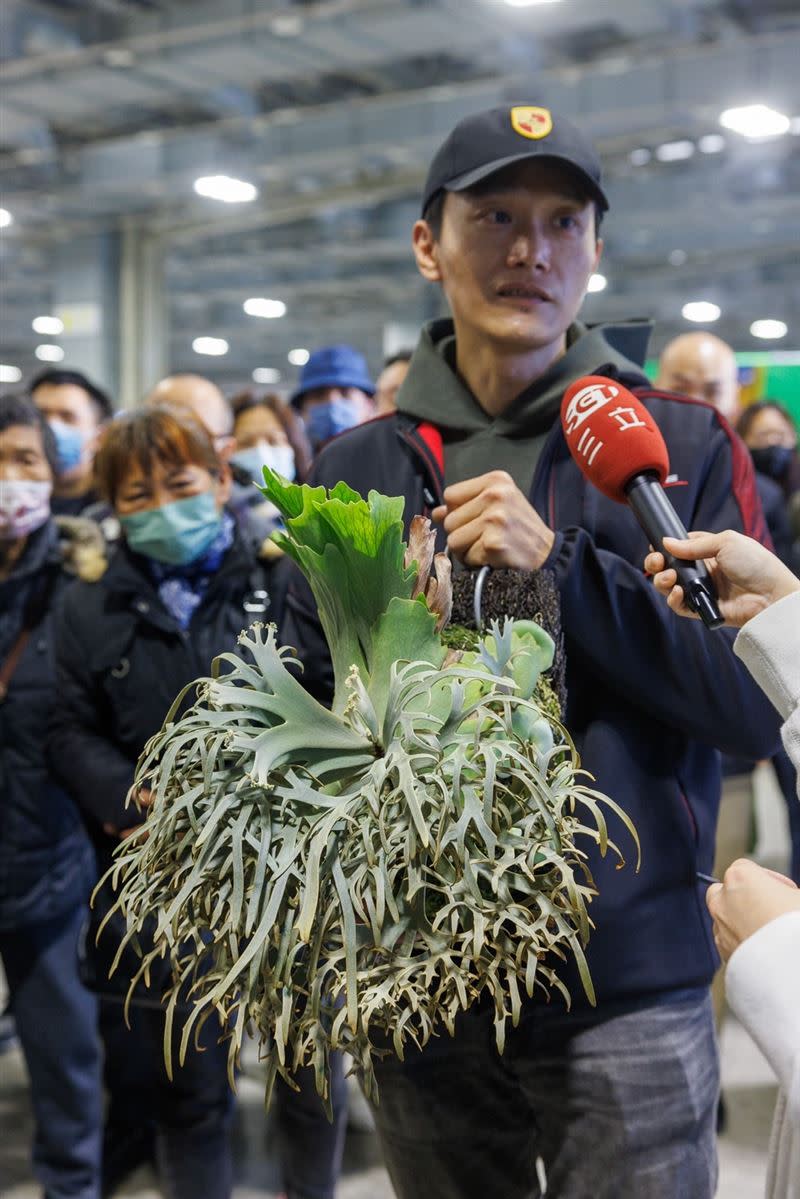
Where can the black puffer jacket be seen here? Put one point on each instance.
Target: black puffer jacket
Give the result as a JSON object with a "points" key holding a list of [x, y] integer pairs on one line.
{"points": [[46, 860], [122, 659]]}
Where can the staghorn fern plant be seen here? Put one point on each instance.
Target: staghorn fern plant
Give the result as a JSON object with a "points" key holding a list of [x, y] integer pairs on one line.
{"points": [[346, 879]]}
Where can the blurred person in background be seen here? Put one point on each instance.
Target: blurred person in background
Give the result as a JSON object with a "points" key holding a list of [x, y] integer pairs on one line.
{"points": [[702, 366], [77, 410], [47, 865], [756, 912], [205, 400], [267, 433], [770, 434], [334, 393], [390, 380]]}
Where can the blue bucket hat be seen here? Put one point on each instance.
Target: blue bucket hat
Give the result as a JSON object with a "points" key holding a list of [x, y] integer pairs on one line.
{"points": [[334, 366]]}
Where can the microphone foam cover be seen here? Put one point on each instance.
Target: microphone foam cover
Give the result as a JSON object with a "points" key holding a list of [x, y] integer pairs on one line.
{"points": [[611, 435]]}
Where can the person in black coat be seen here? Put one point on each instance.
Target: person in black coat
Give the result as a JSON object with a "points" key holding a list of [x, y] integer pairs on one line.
{"points": [[47, 865], [178, 591]]}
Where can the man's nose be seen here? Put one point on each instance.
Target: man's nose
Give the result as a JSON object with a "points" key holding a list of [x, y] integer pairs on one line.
{"points": [[529, 249]]}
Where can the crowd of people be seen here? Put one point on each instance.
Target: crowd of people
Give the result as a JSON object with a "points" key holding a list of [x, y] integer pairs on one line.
{"points": [[134, 547]]}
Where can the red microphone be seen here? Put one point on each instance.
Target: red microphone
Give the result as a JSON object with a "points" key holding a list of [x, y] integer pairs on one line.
{"points": [[619, 448]]}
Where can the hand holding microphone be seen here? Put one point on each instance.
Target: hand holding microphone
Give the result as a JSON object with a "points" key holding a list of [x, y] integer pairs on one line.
{"points": [[619, 448], [747, 577]]}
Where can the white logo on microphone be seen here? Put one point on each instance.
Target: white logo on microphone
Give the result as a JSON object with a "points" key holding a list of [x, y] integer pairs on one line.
{"points": [[585, 402], [628, 418]]}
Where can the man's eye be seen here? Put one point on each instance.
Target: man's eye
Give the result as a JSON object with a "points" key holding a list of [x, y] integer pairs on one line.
{"points": [[567, 221], [498, 216]]}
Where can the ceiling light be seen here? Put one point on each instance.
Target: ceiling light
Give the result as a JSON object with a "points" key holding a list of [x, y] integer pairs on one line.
{"points": [[755, 120], [528, 3], [266, 374], [10, 374], [674, 151], [794, 126], [677, 257], [226, 189], [260, 306], [210, 345], [286, 26], [48, 353], [711, 143], [640, 157], [49, 325], [702, 311], [597, 283], [119, 56], [5, 218], [768, 329], [298, 357]]}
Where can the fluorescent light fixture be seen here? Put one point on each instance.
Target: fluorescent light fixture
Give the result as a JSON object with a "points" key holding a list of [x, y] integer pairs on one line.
{"points": [[711, 143], [640, 157], [287, 26], [674, 151], [755, 120], [226, 189], [210, 345], [266, 374], [597, 283], [298, 357], [261, 306], [51, 326], [702, 311], [769, 329], [5, 218], [48, 353], [10, 374]]}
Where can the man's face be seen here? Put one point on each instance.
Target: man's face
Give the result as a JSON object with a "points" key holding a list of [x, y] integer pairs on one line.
{"points": [[361, 403], [708, 376], [514, 258], [74, 407], [388, 385]]}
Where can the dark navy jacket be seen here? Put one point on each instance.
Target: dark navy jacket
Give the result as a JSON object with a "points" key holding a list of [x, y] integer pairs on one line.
{"points": [[46, 861], [652, 699]]}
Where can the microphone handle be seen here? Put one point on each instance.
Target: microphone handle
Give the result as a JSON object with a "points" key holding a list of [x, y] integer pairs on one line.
{"points": [[659, 519]]}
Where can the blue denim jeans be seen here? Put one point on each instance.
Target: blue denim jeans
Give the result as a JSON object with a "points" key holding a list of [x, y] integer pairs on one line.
{"points": [[56, 1020], [621, 1107]]}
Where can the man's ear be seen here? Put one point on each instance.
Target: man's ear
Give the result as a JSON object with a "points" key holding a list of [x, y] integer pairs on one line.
{"points": [[426, 252], [598, 254]]}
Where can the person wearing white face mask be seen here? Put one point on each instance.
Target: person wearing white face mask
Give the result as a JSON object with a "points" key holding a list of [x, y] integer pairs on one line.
{"points": [[267, 433], [47, 865]]}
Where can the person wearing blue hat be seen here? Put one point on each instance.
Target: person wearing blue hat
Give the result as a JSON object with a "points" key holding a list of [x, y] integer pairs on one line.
{"points": [[334, 393]]}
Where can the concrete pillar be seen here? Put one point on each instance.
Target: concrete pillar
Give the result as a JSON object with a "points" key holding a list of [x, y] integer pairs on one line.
{"points": [[85, 272], [143, 333]]}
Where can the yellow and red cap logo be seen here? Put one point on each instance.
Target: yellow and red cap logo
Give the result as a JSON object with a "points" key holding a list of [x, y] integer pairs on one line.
{"points": [[533, 123]]}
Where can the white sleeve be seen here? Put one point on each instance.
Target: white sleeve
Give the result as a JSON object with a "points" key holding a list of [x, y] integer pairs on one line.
{"points": [[763, 988], [769, 646]]}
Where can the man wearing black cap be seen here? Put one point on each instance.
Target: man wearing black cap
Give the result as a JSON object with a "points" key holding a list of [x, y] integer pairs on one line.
{"points": [[618, 1101]]}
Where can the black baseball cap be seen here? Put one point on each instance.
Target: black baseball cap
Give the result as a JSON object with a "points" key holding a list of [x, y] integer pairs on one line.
{"points": [[491, 140]]}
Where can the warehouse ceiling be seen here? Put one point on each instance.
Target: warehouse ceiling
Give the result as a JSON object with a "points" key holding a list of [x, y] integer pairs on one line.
{"points": [[111, 109]]}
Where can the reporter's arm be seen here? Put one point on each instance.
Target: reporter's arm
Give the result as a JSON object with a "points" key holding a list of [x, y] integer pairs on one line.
{"points": [[762, 986]]}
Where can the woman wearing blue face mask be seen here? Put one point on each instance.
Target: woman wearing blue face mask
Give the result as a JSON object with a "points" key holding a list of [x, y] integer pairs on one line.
{"points": [[176, 594]]}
